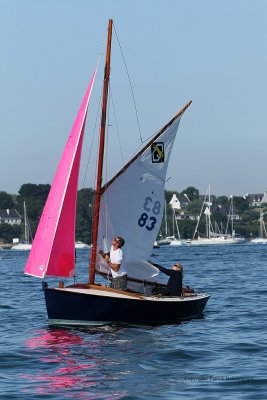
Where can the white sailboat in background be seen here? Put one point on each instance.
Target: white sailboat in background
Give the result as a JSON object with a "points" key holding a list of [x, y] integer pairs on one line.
{"points": [[213, 236], [170, 240], [231, 237], [173, 239], [26, 243], [262, 239], [164, 240], [81, 245]]}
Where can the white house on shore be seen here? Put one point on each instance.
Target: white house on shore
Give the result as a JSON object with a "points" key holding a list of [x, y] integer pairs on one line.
{"points": [[256, 199], [179, 202], [10, 216]]}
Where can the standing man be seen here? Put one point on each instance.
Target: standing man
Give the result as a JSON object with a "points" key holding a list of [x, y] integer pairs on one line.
{"points": [[115, 261]]}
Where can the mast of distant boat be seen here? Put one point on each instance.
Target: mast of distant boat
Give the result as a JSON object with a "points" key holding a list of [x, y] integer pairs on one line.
{"points": [[262, 227], [230, 218], [100, 155], [208, 219], [166, 223], [27, 232], [176, 224]]}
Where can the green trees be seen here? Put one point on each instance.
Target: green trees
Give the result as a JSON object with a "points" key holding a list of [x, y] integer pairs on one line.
{"points": [[84, 215], [8, 232], [36, 195], [6, 201], [191, 192]]}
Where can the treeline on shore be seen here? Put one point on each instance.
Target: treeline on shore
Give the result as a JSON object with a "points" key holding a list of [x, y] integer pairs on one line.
{"points": [[35, 196]]}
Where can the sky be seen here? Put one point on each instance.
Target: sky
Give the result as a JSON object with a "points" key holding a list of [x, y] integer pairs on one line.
{"points": [[213, 52]]}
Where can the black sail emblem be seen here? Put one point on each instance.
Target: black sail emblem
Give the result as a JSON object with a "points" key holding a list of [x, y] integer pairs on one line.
{"points": [[157, 152]]}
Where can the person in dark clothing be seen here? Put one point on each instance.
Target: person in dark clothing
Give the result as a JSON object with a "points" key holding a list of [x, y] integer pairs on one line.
{"points": [[175, 283]]}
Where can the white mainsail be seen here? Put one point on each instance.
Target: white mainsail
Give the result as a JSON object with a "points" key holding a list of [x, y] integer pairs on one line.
{"points": [[132, 204]]}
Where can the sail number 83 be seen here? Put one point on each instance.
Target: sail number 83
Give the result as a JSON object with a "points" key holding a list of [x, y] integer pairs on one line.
{"points": [[146, 219]]}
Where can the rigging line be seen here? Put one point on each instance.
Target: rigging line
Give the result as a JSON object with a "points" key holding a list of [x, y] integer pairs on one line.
{"points": [[96, 160], [138, 122], [92, 142], [196, 228], [105, 150], [90, 152], [105, 205], [106, 168], [116, 123], [144, 141]]}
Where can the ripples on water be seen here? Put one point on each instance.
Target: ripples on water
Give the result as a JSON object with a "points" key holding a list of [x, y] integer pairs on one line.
{"points": [[221, 355]]}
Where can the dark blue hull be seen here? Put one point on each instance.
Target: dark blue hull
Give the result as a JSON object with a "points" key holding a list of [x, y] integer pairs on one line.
{"points": [[76, 308]]}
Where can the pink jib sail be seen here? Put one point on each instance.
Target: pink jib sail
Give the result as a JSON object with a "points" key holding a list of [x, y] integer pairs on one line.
{"points": [[53, 248]]}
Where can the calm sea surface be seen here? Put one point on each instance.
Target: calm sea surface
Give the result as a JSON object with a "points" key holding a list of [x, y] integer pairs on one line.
{"points": [[220, 356]]}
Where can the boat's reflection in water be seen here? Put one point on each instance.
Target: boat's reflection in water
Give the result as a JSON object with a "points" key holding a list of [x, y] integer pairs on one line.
{"points": [[81, 361]]}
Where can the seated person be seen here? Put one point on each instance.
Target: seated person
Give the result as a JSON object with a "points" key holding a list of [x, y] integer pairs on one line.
{"points": [[175, 282]]}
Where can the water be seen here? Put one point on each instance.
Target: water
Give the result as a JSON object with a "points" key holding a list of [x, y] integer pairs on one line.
{"points": [[221, 355]]}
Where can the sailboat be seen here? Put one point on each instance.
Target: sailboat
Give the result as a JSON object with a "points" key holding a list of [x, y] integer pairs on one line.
{"points": [[140, 183], [26, 243], [213, 236], [173, 238], [81, 246], [164, 241], [232, 237], [262, 239], [170, 240]]}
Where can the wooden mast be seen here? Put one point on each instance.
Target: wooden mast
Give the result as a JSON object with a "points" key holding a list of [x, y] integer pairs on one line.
{"points": [[101, 155]]}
